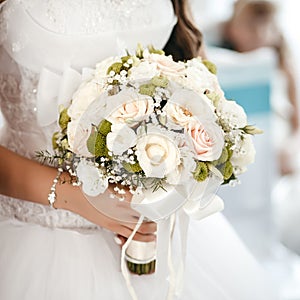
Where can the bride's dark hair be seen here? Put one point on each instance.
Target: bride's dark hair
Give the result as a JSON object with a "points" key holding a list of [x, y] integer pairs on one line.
{"points": [[186, 39]]}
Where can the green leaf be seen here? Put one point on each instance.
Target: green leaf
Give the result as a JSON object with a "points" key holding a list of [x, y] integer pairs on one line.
{"points": [[201, 171], [155, 51], [139, 51], [227, 170], [96, 144], [223, 158], [104, 127], [132, 168], [54, 140], [147, 89], [64, 118], [210, 66], [213, 97], [250, 129], [160, 81], [116, 67]]}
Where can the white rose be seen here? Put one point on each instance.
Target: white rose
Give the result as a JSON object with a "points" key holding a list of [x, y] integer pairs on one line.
{"points": [[192, 104], [157, 154], [79, 129], [144, 70], [83, 97], [120, 139], [166, 65], [200, 82], [92, 179], [245, 154], [199, 78], [233, 113], [207, 138], [77, 138], [129, 107]]}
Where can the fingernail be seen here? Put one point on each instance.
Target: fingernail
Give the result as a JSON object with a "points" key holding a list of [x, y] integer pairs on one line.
{"points": [[117, 240]]}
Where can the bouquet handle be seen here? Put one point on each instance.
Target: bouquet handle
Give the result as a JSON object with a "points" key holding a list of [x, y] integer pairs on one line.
{"points": [[141, 257]]}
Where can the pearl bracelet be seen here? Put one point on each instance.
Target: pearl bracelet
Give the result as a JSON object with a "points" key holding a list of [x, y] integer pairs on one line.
{"points": [[52, 194]]}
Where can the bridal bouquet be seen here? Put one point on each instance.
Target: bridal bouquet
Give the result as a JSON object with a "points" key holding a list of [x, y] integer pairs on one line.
{"points": [[148, 124]]}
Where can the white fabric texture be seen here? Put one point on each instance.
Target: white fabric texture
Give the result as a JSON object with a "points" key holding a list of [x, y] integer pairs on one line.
{"points": [[55, 254]]}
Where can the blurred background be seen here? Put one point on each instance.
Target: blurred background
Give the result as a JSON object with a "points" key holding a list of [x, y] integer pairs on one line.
{"points": [[259, 74]]}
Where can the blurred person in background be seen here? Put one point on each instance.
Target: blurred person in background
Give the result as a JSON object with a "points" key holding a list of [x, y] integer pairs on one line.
{"points": [[252, 25]]}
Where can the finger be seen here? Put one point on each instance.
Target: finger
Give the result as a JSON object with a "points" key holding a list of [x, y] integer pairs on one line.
{"points": [[126, 232], [145, 228], [121, 240]]}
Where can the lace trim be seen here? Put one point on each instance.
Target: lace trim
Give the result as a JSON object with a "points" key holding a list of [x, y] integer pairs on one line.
{"points": [[4, 14], [30, 212], [18, 98]]}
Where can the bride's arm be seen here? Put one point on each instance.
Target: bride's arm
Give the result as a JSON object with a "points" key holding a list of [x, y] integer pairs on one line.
{"points": [[28, 180]]}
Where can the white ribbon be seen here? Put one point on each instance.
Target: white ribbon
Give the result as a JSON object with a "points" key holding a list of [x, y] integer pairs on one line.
{"points": [[124, 268], [197, 200], [55, 89]]}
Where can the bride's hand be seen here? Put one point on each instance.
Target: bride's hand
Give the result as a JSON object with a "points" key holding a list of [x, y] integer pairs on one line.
{"points": [[110, 213], [36, 185]]}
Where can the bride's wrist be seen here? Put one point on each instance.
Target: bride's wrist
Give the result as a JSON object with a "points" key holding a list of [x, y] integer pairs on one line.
{"points": [[66, 193]]}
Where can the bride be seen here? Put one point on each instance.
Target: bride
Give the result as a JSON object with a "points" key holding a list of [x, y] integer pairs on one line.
{"points": [[70, 252]]}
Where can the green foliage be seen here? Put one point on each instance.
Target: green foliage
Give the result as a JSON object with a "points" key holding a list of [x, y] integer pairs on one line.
{"points": [[250, 129], [201, 171], [210, 66], [147, 89], [55, 137], [227, 170], [64, 118], [155, 51], [132, 168], [116, 67], [96, 144], [213, 97], [104, 127], [160, 81], [223, 158]]}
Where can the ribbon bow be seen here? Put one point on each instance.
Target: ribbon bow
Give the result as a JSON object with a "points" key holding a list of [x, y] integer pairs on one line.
{"points": [[55, 89], [194, 200]]}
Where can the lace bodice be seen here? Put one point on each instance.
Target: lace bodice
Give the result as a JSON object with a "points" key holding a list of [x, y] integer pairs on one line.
{"points": [[53, 35]]}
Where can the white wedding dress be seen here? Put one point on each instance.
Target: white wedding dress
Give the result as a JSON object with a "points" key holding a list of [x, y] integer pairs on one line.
{"points": [[48, 254]]}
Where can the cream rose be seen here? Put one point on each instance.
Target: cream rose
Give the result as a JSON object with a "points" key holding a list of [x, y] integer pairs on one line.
{"points": [[191, 104], [120, 139], [208, 140], [166, 65], [157, 154], [143, 71], [83, 97], [129, 107], [177, 114]]}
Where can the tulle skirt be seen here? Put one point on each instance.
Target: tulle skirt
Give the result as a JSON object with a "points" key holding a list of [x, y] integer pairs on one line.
{"points": [[41, 263]]}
